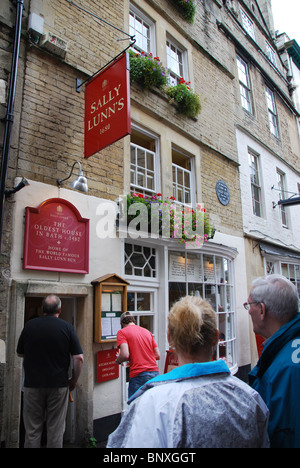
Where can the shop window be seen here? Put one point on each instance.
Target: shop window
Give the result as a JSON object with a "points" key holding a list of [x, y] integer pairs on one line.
{"points": [[270, 267], [140, 261], [210, 277], [140, 304], [290, 270], [144, 167]]}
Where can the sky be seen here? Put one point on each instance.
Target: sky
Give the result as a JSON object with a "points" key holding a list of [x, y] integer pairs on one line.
{"points": [[287, 17]]}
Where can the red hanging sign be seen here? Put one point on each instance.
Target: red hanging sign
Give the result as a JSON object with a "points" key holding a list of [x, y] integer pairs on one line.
{"points": [[107, 107], [56, 238]]}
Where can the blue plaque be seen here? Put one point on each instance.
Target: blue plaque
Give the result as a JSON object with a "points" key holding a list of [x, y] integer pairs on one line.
{"points": [[223, 193]]}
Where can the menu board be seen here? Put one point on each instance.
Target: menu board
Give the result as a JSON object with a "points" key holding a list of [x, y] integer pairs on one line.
{"points": [[110, 302], [110, 314]]}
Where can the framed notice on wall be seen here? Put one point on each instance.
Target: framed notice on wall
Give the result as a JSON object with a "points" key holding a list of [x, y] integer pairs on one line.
{"points": [[56, 238], [111, 313], [110, 302]]}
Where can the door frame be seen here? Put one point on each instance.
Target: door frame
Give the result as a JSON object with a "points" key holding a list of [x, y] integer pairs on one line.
{"points": [[83, 293]]}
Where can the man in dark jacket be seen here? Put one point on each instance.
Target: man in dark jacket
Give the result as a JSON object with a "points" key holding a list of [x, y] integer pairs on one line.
{"points": [[46, 344], [273, 305]]}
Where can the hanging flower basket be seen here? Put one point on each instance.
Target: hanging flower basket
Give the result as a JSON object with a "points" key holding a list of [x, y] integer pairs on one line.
{"points": [[147, 70], [166, 218], [187, 8], [186, 101]]}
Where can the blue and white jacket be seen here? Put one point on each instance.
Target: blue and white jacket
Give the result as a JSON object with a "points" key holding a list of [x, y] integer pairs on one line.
{"points": [[195, 405], [277, 378]]}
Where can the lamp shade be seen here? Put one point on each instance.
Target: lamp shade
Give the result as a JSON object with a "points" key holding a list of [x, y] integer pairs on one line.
{"points": [[80, 183]]}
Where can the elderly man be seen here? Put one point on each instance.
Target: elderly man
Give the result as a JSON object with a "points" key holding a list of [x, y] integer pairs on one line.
{"points": [[46, 344], [273, 305]]}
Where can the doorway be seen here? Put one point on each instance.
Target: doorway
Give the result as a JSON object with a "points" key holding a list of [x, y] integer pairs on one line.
{"points": [[33, 309]]}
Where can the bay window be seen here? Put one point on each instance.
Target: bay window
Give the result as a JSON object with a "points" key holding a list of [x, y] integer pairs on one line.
{"points": [[209, 277]]}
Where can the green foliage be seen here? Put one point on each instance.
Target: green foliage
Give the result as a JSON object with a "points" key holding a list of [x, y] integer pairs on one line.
{"points": [[187, 102], [187, 8], [92, 443], [147, 70]]}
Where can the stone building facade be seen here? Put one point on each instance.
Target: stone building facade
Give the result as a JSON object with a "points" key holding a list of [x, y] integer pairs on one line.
{"points": [[48, 138]]}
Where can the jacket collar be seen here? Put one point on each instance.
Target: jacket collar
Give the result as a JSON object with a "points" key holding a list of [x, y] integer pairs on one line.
{"points": [[274, 345], [187, 371]]}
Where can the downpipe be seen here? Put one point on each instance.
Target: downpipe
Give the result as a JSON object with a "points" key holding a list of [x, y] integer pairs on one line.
{"points": [[10, 110]]}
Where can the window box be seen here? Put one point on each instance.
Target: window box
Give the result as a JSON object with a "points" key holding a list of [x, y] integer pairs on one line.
{"points": [[186, 101], [147, 70], [159, 217]]}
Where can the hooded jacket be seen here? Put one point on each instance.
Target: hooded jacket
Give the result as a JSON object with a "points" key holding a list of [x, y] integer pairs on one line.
{"points": [[276, 377], [194, 405]]}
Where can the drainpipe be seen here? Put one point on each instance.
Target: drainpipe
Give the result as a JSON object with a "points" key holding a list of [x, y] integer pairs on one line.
{"points": [[10, 109]]}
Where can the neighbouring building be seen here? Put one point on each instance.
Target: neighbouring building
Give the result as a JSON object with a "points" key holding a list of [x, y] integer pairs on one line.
{"points": [[235, 158]]}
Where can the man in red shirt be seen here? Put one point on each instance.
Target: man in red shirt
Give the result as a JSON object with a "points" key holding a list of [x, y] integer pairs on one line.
{"points": [[137, 346]]}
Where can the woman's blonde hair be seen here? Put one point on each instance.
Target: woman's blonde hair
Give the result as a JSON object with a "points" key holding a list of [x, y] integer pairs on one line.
{"points": [[192, 325]]}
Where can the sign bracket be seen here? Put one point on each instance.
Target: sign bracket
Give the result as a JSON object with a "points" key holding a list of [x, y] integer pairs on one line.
{"points": [[79, 83]]}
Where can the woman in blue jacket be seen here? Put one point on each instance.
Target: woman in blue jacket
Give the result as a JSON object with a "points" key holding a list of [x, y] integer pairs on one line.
{"points": [[273, 305]]}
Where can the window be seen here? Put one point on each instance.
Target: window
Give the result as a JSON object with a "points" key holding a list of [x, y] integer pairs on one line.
{"points": [[183, 178], [141, 306], [140, 261], [281, 188], [290, 270], [245, 90], [248, 24], [144, 167], [175, 62], [211, 277], [255, 184], [271, 53], [143, 29], [270, 267], [273, 120]]}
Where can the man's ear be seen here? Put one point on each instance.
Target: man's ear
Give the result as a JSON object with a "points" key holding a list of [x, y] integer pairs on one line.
{"points": [[263, 311]]}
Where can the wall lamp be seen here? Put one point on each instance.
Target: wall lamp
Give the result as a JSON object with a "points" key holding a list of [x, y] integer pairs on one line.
{"points": [[80, 183], [18, 187]]}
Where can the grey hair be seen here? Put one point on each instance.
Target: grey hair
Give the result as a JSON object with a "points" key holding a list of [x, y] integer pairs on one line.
{"points": [[51, 305], [279, 295]]}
